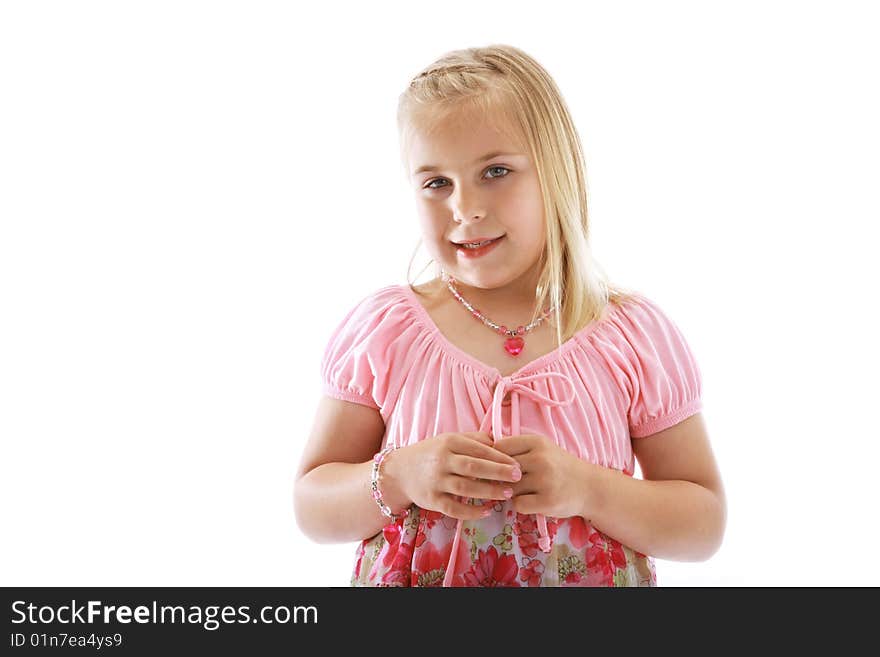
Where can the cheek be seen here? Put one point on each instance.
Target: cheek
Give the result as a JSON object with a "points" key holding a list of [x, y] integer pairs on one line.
{"points": [[431, 224], [434, 239], [534, 207], [435, 235], [522, 201]]}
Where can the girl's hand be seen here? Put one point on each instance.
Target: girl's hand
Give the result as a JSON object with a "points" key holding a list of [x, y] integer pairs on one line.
{"points": [[434, 471], [554, 483]]}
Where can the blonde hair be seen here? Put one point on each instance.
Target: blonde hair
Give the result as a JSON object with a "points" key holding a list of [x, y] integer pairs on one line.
{"points": [[507, 88]]}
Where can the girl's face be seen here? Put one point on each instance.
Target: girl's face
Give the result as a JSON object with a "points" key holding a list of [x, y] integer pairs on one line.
{"points": [[472, 182]]}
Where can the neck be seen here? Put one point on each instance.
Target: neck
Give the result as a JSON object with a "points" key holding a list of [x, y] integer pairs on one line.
{"points": [[511, 304]]}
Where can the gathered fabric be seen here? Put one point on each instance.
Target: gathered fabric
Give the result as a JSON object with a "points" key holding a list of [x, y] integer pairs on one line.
{"points": [[626, 376]]}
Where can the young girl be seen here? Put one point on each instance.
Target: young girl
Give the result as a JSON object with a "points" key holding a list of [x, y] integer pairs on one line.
{"points": [[482, 429]]}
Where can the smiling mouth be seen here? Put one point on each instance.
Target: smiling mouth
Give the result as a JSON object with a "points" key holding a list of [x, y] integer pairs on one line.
{"points": [[478, 250], [475, 245]]}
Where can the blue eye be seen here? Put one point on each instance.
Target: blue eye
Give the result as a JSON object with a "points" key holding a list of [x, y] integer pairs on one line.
{"points": [[430, 185], [502, 168]]}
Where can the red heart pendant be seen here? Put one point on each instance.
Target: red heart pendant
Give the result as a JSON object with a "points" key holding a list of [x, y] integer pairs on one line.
{"points": [[514, 345]]}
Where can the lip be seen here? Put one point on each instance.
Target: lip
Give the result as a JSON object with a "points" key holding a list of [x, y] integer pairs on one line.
{"points": [[475, 239], [477, 253]]}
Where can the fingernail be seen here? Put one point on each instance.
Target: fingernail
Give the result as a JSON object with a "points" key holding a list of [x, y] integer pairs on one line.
{"points": [[516, 475], [486, 513], [508, 493]]}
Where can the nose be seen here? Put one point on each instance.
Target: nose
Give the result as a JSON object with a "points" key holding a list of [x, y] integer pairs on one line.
{"points": [[467, 206]]}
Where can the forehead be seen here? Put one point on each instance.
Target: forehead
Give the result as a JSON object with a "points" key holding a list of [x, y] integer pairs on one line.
{"points": [[459, 144]]}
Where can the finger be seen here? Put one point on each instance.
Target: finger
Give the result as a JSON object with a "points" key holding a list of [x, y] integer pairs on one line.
{"points": [[471, 447], [480, 436], [515, 445], [526, 503], [478, 468], [453, 507], [528, 462], [528, 485], [477, 489]]}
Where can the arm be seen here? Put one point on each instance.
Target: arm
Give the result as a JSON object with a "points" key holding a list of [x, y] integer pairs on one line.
{"points": [[678, 511], [332, 496]]}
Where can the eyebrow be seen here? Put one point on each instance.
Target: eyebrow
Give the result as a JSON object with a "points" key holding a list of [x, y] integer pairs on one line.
{"points": [[487, 156]]}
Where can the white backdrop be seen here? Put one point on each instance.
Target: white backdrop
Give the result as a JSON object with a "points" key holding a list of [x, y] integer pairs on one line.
{"points": [[193, 194]]}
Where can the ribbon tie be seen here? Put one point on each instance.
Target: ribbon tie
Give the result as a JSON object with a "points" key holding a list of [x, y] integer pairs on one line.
{"points": [[516, 387]]}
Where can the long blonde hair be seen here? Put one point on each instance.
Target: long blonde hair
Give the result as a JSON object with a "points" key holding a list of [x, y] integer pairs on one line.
{"points": [[507, 88]]}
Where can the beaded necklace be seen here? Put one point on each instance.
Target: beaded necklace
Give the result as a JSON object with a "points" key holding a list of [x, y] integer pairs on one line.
{"points": [[514, 342]]}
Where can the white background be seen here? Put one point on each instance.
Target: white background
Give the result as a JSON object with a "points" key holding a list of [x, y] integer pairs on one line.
{"points": [[193, 194]]}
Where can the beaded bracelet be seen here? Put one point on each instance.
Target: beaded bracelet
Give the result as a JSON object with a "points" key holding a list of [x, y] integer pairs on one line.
{"points": [[374, 484]]}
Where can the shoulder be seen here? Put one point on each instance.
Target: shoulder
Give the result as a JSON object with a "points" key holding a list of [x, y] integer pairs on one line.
{"points": [[663, 376], [642, 338], [385, 296], [378, 317], [638, 317], [380, 300]]}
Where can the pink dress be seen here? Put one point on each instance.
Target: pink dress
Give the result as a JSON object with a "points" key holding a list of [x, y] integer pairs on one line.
{"points": [[625, 376]]}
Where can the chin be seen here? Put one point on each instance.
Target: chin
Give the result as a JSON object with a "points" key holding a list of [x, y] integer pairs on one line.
{"points": [[484, 282]]}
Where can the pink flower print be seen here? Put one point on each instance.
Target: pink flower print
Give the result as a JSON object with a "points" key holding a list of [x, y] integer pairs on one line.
{"points": [[532, 572], [429, 565], [524, 523], [491, 570], [618, 556], [603, 558], [600, 570], [573, 577], [396, 557], [614, 548], [528, 544], [570, 567], [579, 532], [431, 517], [392, 539]]}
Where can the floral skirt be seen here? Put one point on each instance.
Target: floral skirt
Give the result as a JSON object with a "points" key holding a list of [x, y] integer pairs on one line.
{"points": [[500, 550]]}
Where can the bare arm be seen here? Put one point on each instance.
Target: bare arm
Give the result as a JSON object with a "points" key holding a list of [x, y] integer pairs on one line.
{"points": [[678, 511], [332, 497]]}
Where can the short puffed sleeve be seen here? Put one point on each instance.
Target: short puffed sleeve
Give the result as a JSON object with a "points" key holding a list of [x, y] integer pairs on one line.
{"points": [[665, 380], [351, 363]]}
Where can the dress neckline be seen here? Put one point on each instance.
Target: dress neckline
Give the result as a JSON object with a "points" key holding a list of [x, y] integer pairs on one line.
{"points": [[489, 371]]}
